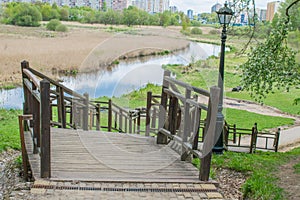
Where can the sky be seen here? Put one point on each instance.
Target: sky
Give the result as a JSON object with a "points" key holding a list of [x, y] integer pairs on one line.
{"points": [[200, 6]]}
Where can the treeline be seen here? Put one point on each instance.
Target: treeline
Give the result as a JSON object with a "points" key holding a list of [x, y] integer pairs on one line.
{"points": [[27, 14]]}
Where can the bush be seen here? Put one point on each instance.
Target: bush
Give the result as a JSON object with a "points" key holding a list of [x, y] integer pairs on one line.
{"points": [[214, 32], [21, 14], [61, 28], [53, 24], [196, 31]]}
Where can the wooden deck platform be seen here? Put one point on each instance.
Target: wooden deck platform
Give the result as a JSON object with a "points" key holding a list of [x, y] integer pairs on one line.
{"points": [[78, 155]]}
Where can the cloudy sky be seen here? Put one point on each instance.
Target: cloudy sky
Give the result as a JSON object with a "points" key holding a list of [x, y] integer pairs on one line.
{"points": [[205, 5]]}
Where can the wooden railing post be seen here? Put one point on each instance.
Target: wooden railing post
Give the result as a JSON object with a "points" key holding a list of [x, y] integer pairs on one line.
{"points": [[148, 113], [161, 138], [234, 133], [109, 115], [253, 138], [277, 139], [25, 161], [139, 121], [61, 109], [45, 129], [25, 65], [173, 110], [85, 115], [120, 120], [98, 110]]}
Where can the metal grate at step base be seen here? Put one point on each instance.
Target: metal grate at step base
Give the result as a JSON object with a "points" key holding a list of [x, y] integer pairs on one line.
{"points": [[116, 189]]}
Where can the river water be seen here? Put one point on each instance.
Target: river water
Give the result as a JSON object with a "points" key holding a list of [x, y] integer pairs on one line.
{"points": [[123, 78]]}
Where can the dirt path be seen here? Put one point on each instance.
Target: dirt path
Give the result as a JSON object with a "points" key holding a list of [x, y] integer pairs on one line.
{"points": [[258, 108], [289, 180]]}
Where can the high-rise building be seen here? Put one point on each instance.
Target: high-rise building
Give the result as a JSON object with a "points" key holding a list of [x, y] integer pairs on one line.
{"points": [[151, 6], [190, 14], [261, 14], [216, 7], [272, 8], [173, 9]]}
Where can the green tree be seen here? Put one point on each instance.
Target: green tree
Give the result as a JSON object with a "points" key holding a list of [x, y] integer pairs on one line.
{"points": [[272, 64], [131, 16], [294, 13], [165, 18], [64, 14], [22, 14]]}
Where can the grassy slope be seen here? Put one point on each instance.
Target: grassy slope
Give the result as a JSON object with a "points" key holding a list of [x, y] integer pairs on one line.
{"points": [[260, 168], [9, 131]]}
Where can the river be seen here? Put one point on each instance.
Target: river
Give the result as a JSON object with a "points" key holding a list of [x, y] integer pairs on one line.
{"points": [[123, 78]]}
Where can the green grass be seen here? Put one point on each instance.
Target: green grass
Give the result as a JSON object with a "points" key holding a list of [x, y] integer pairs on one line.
{"points": [[245, 119], [9, 130], [242, 118], [297, 168], [282, 100], [8, 86], [204, 78], [260, 168]]}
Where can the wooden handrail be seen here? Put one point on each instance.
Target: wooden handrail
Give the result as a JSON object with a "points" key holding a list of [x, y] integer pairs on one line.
{"points": [[32, 77]]}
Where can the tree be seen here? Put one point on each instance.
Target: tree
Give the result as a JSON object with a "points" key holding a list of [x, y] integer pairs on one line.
{"points": [[131, 16], [22, 14], [272, 64]]}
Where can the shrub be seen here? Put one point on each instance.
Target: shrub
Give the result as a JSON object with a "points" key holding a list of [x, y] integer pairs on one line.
{"points": [[61, 28], [21, 14], [196, 31], [53, 23], [214, 32]]}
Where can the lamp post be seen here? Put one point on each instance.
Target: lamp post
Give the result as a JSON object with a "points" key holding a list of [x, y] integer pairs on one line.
{"points": [[224, 14]]}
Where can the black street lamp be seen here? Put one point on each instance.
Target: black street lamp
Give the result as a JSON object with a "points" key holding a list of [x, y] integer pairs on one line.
{"points": [[224, 14]]}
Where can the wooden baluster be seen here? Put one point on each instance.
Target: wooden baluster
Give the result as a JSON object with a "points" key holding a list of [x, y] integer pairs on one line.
{"points": [[109, 115], [98, 110], [148, 113], [277, 135], [186, 123], [85, 116], [120, 120]]}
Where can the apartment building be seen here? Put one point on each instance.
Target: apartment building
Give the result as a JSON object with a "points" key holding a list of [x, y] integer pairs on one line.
{"points": [[272, 8]]}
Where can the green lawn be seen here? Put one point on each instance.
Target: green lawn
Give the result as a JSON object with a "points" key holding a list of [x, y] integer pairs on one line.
{"points": [[260, 168], [9, 131]]}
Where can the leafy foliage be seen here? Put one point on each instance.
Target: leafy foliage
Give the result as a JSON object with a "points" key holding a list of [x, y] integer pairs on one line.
{"points": [[271, 64], [53, 24], [196, 31], [21, 14], [61, 28]]}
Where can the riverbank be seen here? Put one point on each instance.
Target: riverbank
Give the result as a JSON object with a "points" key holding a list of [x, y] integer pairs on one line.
{"points": [[82, 48]]}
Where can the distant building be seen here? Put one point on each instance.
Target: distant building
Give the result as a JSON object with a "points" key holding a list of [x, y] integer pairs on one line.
{"points": [[173, 9], [199, 17], [261, 14], [190, 14], [152, 6], [216, 7], [272, 8]]}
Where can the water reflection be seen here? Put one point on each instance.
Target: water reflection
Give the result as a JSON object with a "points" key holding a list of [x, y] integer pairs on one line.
{"points": [[125, 77], [11, 98]]}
